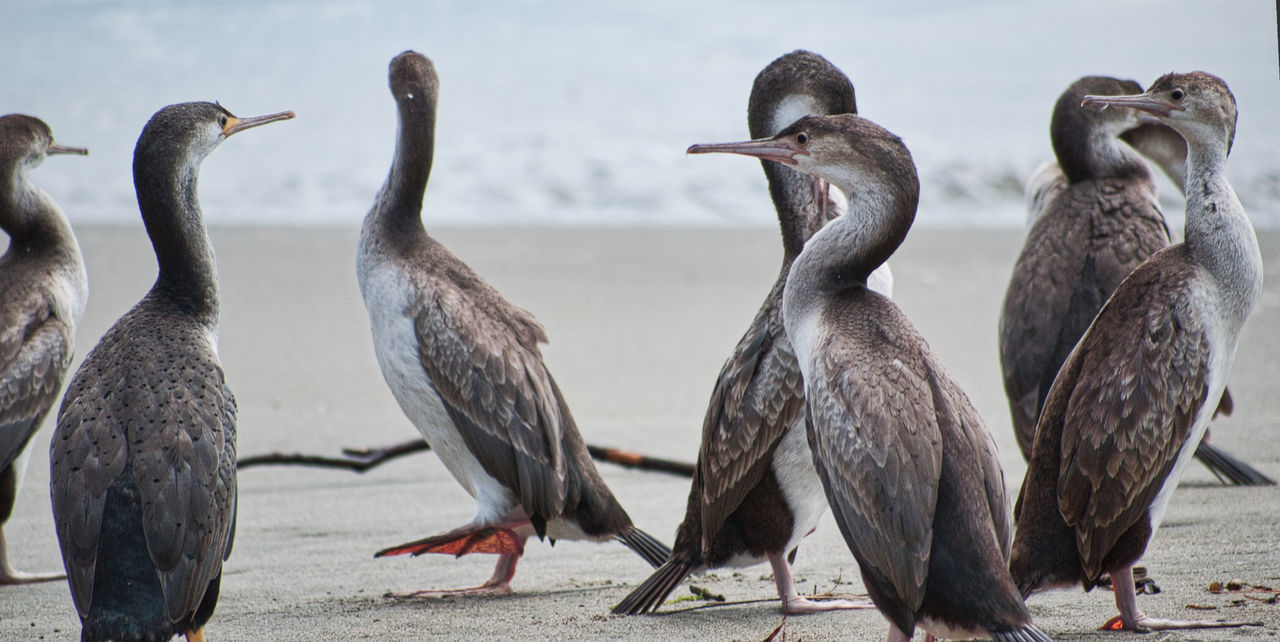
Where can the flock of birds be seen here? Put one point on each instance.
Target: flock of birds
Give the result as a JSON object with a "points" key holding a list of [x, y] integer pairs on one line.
{"points": [[1115, 343]]}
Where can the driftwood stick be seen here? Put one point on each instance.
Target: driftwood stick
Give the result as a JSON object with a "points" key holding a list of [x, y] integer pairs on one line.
{"points": [[363, 459]]}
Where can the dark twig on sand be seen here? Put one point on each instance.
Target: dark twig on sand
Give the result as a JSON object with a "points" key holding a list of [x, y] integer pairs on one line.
{"points": [[363, 459]]}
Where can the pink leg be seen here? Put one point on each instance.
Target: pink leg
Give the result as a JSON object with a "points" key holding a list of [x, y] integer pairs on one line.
{"points": [[498, 584], [795, 604], [896, 635], [1131, 619], [10, 575]]}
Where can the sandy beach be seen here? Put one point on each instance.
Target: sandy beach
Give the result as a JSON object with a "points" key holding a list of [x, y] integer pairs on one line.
{"points": [[640, 320]]}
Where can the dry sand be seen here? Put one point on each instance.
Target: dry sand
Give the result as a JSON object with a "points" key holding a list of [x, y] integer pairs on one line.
{"points": [[640, 321]]}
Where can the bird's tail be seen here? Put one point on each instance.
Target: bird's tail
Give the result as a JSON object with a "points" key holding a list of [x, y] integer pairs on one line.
{"points": [[1230, 469], [650, 595], [1026, 633], [645, 545]]}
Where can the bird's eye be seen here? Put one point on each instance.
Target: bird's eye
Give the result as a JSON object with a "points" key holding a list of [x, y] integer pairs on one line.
{"points": [[1177, 94], [802, 138], [222, 121]]}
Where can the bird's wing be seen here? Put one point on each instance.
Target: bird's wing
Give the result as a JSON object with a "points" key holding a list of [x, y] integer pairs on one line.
{"points": [[878, 449], [482, 357], [1140, 378], [758, 396], [164, 413], [35, 351], [1089, 239]]}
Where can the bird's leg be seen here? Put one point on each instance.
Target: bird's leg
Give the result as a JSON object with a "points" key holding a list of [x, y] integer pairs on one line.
{"points": [[1132, 619], [498, 584], [196, 635], [10, 575], [795, 604]]}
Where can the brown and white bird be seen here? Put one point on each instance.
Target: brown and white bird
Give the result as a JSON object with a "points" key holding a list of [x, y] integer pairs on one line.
{"points": [[1093, 217], [1135, 395], [910, 472], [143, 461], [43, 291], [755, 493], [465, 367]]}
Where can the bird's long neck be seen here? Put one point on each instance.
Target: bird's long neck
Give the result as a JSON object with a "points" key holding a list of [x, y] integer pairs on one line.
{"points": [[398, 210], [845, 252], [167, 197], [32, 220], [1096, 154], [802, 208], [1219, 236]]}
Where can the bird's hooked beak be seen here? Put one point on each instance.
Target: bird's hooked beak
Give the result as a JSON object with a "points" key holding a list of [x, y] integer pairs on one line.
{"points": [[780, 150], [234, 124], [1142, 102], [63, 149]]}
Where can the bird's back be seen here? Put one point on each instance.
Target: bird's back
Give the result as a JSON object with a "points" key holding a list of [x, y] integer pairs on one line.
{"points": [[143, 471]]}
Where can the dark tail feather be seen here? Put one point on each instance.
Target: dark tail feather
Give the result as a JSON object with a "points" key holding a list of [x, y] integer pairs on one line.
{"points": [[654, 591], [1229, 469], [645, 545], [1027, 633]]}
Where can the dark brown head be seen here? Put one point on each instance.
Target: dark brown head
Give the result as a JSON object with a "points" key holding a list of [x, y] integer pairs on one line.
{"points": [[1198, 105], [414, 84], [795, 85], [1086, 141], [26, 140]]}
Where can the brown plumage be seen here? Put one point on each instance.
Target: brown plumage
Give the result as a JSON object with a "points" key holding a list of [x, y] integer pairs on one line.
{"points": [[43, 289], [465, 366], [1134, 397], [739, 509], [143, 459]]}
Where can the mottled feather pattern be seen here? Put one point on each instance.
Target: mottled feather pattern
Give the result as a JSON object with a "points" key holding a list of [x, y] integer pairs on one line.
{"points": [[1091, 236], [882, 462], [149, 402], [35, 351], [759, 394], [487, 368], [1144, 395]]}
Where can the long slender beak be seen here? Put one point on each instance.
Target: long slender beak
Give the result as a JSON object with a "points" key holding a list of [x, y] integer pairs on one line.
{"points": [[782, 151], [240, 124], [63, 149], [1141, 102]]}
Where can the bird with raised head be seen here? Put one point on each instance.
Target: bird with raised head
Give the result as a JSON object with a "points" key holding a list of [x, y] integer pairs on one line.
{"points": [[1135, 395], [143, 461], [755, 493], [43, 291], [465, 367], [909, 470]]}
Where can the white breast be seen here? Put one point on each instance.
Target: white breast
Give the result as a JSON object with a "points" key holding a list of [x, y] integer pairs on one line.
{"points": [[798, 480], [388, 296]]}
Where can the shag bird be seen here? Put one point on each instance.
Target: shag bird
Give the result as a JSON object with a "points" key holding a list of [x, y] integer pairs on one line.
{"points": [[143, 461], [465, 367], [755, 493], [1094, 217], [909, 470], [1136, 394], [43, 290]]}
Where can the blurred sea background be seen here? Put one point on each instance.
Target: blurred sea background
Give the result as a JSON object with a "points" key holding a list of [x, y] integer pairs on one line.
{"points": [[578, 113]]}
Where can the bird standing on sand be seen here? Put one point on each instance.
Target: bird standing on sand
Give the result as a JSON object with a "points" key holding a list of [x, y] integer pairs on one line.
{"points": [[910, 472], [43, 291], [465, 367], [1095, 218], [1134, 397], [755, 493], [143, 465]]}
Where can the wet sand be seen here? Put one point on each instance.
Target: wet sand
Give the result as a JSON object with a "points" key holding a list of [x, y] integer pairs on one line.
{"points": [[640, 321]]}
